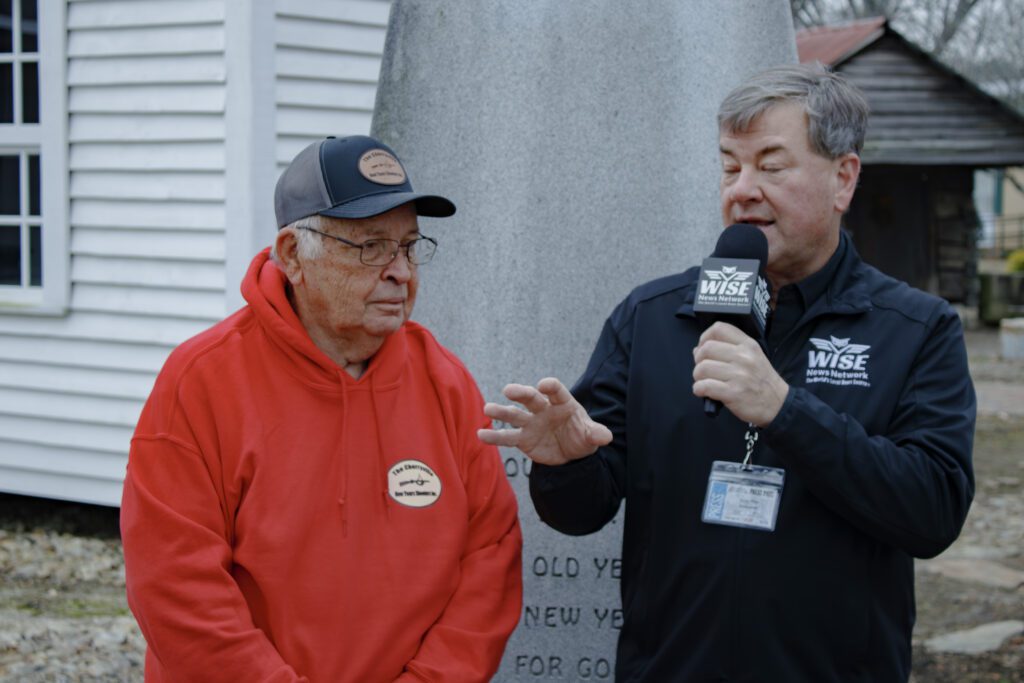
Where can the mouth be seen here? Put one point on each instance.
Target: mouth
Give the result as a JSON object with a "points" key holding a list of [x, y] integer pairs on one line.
{"points": [[759, 222]]}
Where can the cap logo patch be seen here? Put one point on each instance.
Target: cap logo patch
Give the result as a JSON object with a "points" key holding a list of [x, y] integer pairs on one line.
{"points": [[381, 167], [413, 484]]}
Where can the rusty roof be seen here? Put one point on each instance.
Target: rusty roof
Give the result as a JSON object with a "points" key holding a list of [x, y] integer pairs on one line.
{"points": [[831, 45]]}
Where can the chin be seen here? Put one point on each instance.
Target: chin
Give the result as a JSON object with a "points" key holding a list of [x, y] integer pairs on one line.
{"points": [[382, 328]]}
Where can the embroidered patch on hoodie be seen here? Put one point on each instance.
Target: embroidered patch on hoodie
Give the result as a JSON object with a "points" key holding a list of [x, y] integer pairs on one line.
{"points": [[412, 483]]}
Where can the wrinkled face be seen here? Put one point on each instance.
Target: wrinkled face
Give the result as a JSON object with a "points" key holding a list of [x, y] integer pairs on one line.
{"points": [[345, 298], [772, 178]]}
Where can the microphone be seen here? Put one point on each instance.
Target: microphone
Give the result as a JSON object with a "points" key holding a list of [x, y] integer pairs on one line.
{"points": [[733, 287]]}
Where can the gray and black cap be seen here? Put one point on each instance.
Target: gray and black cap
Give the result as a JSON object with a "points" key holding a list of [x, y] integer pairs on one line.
{"points": [[350, 177]]}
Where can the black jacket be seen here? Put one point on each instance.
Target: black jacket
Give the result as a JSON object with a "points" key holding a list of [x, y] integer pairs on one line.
{"points": [[878, 471]]}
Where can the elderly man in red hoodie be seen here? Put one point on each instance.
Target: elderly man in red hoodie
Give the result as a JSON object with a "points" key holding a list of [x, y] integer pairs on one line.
{"points": [[306, 498]]}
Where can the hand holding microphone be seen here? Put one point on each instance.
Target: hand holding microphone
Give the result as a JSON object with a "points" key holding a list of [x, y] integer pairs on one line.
{"points": [[732, 299]]}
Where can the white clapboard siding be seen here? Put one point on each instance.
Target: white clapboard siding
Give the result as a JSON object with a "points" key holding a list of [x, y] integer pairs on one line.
{"points": [[64, 471], [76, 380], [69, 407], [158, 244], [178, 303], [199, 68], [299, 120], [132, 13], [295, 62], [101, 327], [148, 133], [136, 40], [155, 186], [177, 156], [60, 435], [121, 128], [355, 12], [75, 462], [132, 213], [327, 63], [319, 34], [148, 272], [328, 94], [163, 98], [102, 355]]}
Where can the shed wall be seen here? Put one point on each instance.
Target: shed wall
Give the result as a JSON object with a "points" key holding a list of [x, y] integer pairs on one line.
{"points": [[924, 115]]}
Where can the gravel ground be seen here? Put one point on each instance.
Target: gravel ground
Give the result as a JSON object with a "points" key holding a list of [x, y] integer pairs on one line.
{"points": [[63, 616]]}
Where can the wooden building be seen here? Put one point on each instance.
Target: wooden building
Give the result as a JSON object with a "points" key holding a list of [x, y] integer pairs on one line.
{"points": [[139, 146], [913, 215]]}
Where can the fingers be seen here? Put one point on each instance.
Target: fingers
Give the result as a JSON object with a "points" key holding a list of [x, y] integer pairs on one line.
{"points": [[500, 437], [732, 368], [549, 391], [556, 392], [507, 414], [713, 388], [709, 368], [722, 331], [530, 398], [728, 344]]}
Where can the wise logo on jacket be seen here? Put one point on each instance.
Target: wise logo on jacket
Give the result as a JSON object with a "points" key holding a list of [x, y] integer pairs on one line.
{"points": [[838, 362]]}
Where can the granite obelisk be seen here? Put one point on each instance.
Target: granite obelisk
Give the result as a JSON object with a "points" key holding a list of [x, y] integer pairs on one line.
{"points": [[578, 139]]}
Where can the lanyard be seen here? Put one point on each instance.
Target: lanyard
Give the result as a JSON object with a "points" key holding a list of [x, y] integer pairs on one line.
{"points": [[751, 438]]}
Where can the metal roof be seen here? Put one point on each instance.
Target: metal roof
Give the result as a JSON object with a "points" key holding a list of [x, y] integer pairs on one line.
{"points": [[831, 45]]}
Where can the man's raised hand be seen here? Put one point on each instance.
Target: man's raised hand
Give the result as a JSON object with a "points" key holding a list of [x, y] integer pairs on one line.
{"points": [[552, 430]]}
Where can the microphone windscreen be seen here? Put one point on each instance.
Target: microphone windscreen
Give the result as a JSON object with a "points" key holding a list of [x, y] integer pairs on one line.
{"points": [[742, 240]]}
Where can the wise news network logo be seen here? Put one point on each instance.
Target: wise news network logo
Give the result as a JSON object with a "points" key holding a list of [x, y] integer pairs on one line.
{"points": [[733, 287], [836, 361]]}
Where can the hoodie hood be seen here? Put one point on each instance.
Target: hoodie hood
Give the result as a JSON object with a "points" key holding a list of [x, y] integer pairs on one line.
{"points": [[265, 289]]}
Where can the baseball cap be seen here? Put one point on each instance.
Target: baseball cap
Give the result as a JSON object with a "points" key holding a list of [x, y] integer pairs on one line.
{"points": [[350, 177]]}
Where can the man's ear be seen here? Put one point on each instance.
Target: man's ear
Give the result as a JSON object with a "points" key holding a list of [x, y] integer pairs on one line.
{"points": [[847, 174], [286, 246]]}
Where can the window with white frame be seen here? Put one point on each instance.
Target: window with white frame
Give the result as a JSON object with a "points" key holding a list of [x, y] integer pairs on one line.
{"points": [[32, 139]]}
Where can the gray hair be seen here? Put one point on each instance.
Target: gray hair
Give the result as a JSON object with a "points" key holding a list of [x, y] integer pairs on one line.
{"points": [[309, 244], [837, 113]]}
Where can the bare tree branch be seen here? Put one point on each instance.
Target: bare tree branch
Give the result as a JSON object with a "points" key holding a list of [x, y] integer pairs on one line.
{"points": [[953, 17]]}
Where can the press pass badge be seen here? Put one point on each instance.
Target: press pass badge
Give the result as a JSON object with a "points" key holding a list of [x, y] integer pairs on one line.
{"points": [[743, 495]]}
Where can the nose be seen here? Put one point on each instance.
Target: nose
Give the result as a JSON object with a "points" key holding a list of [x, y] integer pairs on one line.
{"points": [[745, 187], [400, 269]]}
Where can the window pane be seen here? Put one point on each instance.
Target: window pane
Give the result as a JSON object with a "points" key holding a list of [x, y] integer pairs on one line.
{"points": [[6, 19], [10, 255], [30, 92], [6, 93], [29, 27], [35, 255], [33, 185], [10, 186]]}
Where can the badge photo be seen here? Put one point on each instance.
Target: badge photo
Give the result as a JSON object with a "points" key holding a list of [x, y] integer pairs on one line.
{"points": [[413, 484]]}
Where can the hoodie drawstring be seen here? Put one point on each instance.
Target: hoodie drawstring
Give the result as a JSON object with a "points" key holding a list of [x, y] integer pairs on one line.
{"points": [[343, 484], [382, 449]]}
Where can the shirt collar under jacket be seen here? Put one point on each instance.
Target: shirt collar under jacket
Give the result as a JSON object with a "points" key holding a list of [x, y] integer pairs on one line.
{"points": [[794, 299]]}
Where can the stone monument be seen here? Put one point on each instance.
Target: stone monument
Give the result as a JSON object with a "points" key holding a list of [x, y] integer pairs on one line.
{"points": [[578, 140]]}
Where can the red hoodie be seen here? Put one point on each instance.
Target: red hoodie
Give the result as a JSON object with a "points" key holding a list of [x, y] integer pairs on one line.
{"points": [[283, 521]]}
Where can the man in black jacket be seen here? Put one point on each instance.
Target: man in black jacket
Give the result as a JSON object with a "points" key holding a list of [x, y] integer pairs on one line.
{"points": [[774, 542]]}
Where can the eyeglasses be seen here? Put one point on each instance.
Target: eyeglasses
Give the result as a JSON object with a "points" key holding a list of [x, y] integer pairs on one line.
{"points": [[381, 252]]}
